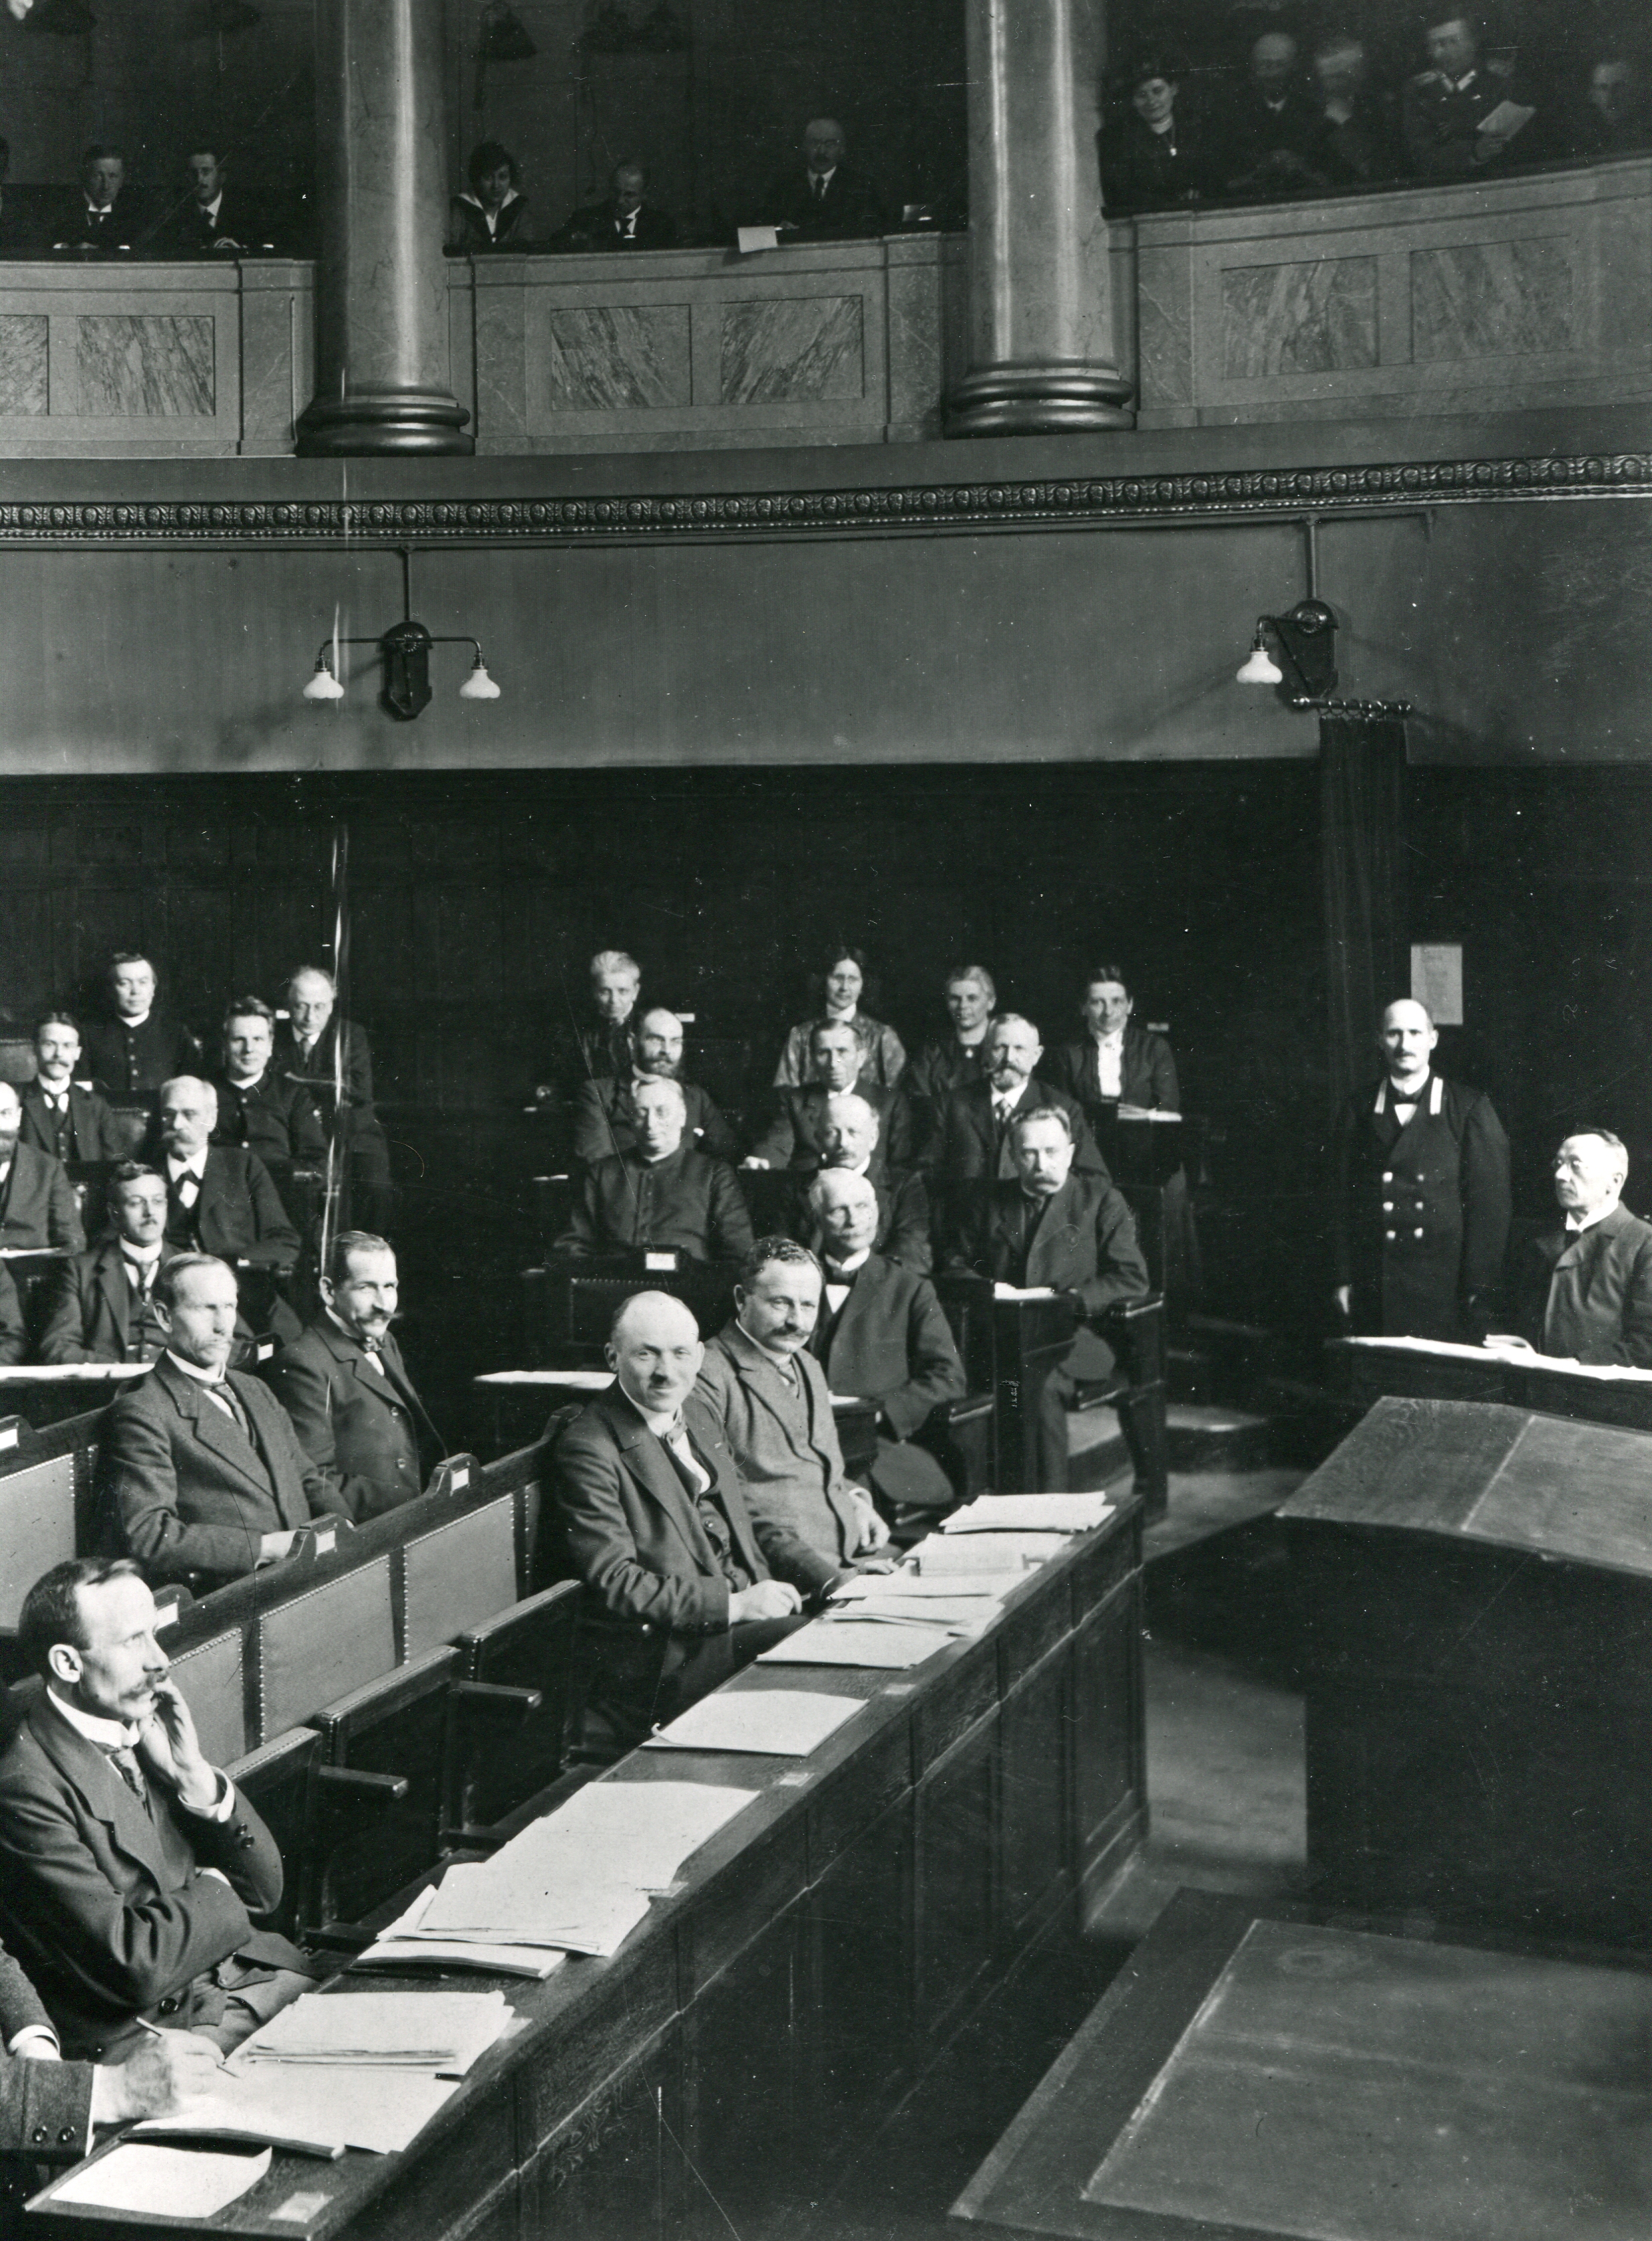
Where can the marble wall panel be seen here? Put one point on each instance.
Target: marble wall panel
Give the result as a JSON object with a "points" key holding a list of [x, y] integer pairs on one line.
{"points": [[783, 350], [23, 361], [1164, 325], [1307, 317], [146, 366], [610, 356], [1493, 299]]}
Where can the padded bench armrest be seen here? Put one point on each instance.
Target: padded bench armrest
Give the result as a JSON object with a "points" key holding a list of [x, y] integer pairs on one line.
{"points": [[494, 1703]]}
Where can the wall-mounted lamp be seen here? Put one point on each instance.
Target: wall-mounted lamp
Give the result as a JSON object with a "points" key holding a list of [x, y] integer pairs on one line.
{"points": [[1306, 638], [404, 650]]}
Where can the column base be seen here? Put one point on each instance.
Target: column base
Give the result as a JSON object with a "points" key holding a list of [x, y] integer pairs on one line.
{"points": [[395, 423], [1054, 399]]}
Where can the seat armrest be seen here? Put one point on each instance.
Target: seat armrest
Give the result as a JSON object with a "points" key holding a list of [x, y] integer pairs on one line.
{"points": [[494, 1703], [965, 1410], [344, 1782], [515, 1615]]}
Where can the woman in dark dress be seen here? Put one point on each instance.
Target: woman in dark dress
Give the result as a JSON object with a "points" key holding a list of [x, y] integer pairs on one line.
{"points": [[1153, 156]]}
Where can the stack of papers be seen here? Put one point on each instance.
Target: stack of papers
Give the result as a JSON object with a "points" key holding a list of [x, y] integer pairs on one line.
{"points": [[576, 1882], [443, 2032], [170, 2182], [773, 1723], [857, 1641], [1030, 1512], [318, 2108], [984, 1553]]}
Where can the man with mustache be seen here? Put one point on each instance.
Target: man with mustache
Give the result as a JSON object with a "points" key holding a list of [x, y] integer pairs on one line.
{"points": [[102, 1306], [346, 1387], [37, 1208], [60, 1115]]}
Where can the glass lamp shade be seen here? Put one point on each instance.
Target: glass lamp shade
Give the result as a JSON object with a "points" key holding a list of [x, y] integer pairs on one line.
{"points": [[478, 685], [1260, 666], [323, 686]]}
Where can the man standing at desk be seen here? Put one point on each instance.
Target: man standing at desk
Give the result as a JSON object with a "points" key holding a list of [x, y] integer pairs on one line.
{"points": [[1421, 1221], [1070, 1233], [1583, 1291], [678, 1580]]}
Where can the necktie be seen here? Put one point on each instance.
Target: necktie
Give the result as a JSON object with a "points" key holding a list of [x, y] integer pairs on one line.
{"points": [[140, 1274], [682, 1455], [188, 1189], [229, 1401], [124, 1760], [819, 187]]}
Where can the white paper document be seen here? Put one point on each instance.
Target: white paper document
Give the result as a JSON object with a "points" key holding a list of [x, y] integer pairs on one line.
{"points": [[754, 237], [514, 1902], [953, 1615], [904, 1587], [402, 1947], [443, 2032], [577, 1380], [1030, 1512], [771, 1723], [76, 1373], [162, 2182], [848, 1641], [639, 1833], [318, 2106], [985, 1552], [1023, 1291]]}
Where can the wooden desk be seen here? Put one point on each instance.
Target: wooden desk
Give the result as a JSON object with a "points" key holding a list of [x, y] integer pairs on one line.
{"points": [[1368, 1369], [821, 1953], [1474, 1585], [1259, 2074]]}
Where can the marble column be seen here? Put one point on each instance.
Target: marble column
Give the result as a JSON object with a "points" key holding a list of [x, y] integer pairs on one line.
{"points": [[382, 373], [1041, 352]]}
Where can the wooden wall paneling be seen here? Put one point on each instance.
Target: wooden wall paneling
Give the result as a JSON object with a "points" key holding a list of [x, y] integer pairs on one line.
{"points": [[746, 2040], [956, 1879], [862, 1916], [615, 2172], [1036, 1863]]}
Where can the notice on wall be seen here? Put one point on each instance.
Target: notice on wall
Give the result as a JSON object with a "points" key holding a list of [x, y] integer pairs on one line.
{"points": [[1436, 981]]}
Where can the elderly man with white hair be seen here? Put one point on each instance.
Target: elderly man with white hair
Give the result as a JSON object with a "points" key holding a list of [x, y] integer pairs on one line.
{"points": [[1421, 1213], [220, 1197], [849, 1137], [682, 1585], [1582, 1291], [883, 1335], [662, 1195]]}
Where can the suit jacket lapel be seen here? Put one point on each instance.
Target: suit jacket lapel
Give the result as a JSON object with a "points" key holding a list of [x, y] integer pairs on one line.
{"points": [[215, 1429], [654, 1473], [1055, 1226], [750, 1363], [89, 1773], [111, 1281]]}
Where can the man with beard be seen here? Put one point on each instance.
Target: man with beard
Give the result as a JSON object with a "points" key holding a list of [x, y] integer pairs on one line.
{"points": [[795, 1136], [974, 1142], [346, 1387], [849, 1146], [601, 1106]]}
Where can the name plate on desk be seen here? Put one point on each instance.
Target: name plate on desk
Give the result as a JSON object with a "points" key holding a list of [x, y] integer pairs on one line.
{"points": [[451, 1475], [659, 1264]]}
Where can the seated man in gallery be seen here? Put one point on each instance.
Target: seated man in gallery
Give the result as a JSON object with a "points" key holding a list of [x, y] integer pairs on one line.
{"points": [[38, 1209], [101, 1307], [133, 1052], [974, 1140], [1582, 1290], [62, 1115], [795, 1138], [664, 1195], [681, 1587], [602, 1105], [260, 1105], [824, 196], [849, 1136]]}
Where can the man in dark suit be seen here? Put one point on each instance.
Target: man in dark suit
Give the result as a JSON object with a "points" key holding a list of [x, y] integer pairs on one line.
{"points": [[824, 196], [132, 1866], [1457, 118], [770, 1397], [346, 1387], [48, 2107], [140, 1048], [624, 221], [103, 211], [1271, 136], [973, 1140], [663, 1197], [1420, 1214], [214, 217], [220, 1198], [329, 1056], [680, 1585], [14, 1334], [201, 1470], [102, 1307], [882, 1335], [260, 1106], [1072, 1234], [602, 1106], [61, 1116], [1582, 1292], [37, 1208], [796, 1136], [849, 1138]]}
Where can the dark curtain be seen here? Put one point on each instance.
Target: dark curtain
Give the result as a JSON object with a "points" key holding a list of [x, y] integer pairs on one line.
{"points": [[1362, 844]]}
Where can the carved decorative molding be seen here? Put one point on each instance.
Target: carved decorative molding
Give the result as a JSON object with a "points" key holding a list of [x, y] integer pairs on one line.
{"points": [[1080, 499]]}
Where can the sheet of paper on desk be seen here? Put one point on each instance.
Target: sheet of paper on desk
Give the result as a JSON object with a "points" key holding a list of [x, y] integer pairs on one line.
{"points": [[162, 2182], [985, 1552], [1030, 1512], [76, 1373], [773, 1722], [751, 238], [849, 1642], [443, 2032], [402, 1947], [319, 2106], [903, 1586], [1147, 1113], [576, 1381], [512, 1902], [640, 1832], [955, 1615], [1023, 1291]]}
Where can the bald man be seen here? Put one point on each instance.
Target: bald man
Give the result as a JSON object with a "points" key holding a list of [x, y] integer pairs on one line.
{"points": [[682, 1586], [826, 197], [663, 1195], [1420, 1219], [1583, 1289], [882, 1335]]}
